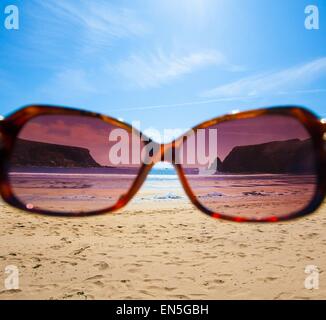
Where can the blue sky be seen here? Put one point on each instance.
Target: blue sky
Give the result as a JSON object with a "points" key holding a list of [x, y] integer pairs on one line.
{"points": [[167, 63]]}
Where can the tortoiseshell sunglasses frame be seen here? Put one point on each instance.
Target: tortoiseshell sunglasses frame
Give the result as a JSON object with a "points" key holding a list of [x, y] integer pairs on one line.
{"points": [[11, 126]]}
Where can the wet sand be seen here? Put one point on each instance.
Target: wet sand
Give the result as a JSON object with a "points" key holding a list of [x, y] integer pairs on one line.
{"points": [[160, 247], [253, 196]]}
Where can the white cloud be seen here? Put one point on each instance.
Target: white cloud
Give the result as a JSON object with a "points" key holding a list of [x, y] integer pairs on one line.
{"points": [[155, 69], [97, 23], [181, 104], [295, 78]]}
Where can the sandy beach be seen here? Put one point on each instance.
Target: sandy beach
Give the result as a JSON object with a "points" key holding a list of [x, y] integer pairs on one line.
{"points": [[160, 247], [218, 105]]}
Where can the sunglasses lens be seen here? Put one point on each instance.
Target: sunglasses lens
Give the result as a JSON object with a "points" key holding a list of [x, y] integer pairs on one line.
{"points": [[72, 164], [256, 168]]}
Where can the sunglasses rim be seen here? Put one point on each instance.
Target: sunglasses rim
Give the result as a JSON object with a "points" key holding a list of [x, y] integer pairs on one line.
{"points": [[316, 130], [11, 126]]}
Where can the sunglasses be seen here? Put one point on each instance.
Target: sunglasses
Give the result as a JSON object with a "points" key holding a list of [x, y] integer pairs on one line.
{"points": [[265, 165]]}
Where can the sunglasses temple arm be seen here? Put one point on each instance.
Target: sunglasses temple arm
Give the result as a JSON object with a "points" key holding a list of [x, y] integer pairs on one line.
{"points": [[1, 130]]}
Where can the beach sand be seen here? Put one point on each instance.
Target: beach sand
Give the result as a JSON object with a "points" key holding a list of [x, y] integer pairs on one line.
{"points": [[160, 248]]}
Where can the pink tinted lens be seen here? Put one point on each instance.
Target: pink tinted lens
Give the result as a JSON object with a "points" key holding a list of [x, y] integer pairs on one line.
{"points": [[74, 164], [258, 168]]}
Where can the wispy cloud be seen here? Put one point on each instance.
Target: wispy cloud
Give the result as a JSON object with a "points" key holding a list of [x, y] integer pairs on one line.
{"points": [[93, 25], [158, 68], [241, 99], [294, 78], [180, 104]]}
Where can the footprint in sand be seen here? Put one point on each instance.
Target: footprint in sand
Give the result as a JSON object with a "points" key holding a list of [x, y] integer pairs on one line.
{"points": [[101, 265], [99, 283], [69, 262], [179, 296], [96, 277], [79, 251], [11, 291], [56, 247], [153, 280], [169, 288]]}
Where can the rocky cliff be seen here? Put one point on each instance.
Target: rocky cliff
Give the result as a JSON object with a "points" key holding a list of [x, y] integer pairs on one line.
{"points": [[39, 154], [291, 156]]}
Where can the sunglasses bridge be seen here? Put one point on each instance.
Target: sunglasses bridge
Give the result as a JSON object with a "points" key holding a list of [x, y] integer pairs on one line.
{"points": [[165, 152]]}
